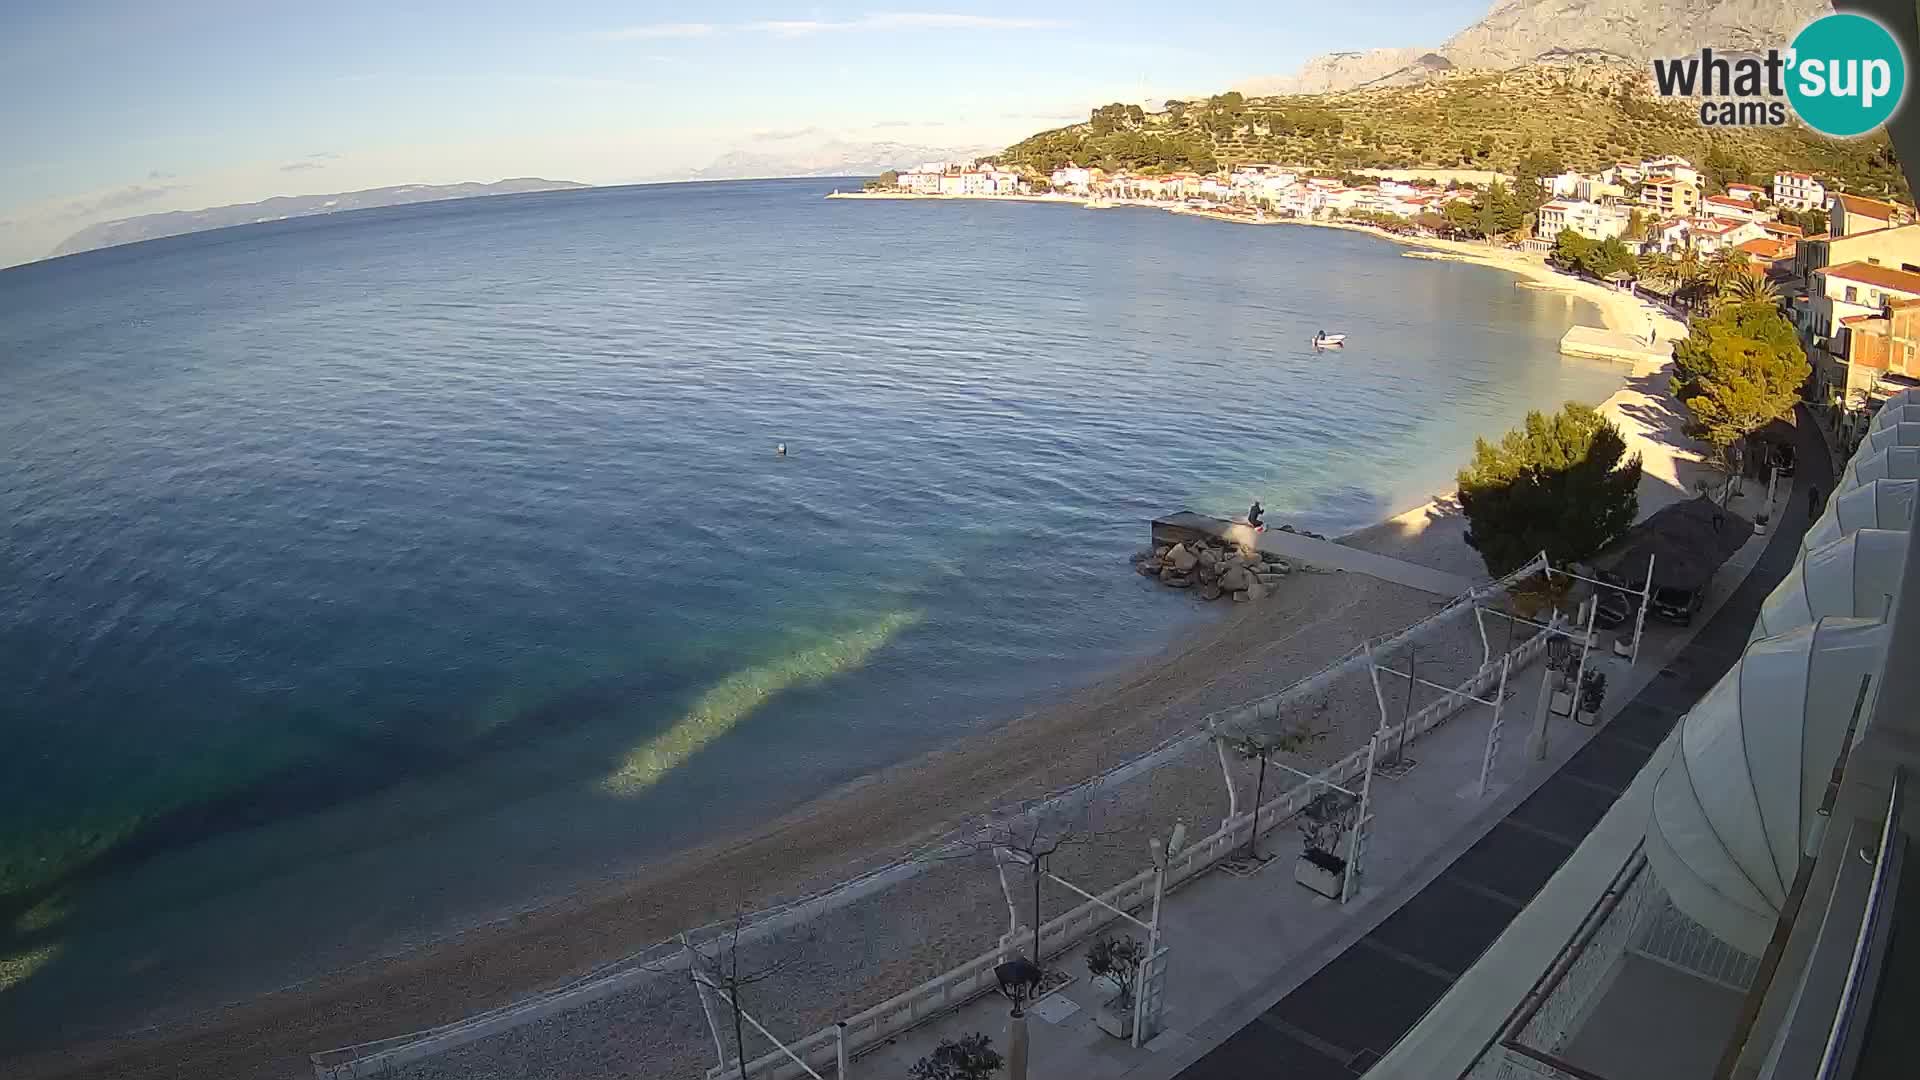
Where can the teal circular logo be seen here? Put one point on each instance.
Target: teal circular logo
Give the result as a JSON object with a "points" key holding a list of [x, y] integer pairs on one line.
{"points": [[1846, 75]]}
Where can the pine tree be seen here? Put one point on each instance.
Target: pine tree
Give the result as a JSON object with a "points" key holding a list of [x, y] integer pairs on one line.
{"points": [[1560, 483], [1736, 371]]}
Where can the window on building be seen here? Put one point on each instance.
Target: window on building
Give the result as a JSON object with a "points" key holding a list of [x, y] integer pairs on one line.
{"points": [[1852, 295]]}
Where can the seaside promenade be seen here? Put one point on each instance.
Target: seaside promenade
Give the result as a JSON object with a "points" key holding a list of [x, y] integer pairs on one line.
{"points": [[1267, 978]]}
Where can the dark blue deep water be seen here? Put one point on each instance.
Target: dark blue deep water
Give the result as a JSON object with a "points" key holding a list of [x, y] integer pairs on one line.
{"points": [[364, 576]]}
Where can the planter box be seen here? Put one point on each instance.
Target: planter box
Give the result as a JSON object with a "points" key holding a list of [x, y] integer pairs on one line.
{"points": [[1622, 646], [1760, 528], [1115, 1019], [1561, 703], [1321, 872]]}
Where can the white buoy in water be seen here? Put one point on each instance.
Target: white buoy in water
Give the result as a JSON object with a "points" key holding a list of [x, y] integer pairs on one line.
{"points": [[780, 450]]}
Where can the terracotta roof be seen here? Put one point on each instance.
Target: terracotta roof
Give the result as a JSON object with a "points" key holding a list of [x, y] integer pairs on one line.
{"points": [[1766, 248], [1882, 277], [1872, 208], [1728, 200], [1652, 180], [1782, 228], [1852, 319], [1742, 187]]}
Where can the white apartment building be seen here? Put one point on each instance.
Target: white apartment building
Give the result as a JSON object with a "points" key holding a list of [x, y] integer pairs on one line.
{"points": [[1072, 178], [1726, 206], [1798, 191], [1590, 220], [1671, 165]]}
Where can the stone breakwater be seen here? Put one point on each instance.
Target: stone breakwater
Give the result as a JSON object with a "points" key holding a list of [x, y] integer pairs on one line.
{"points": [[1213, 568]]}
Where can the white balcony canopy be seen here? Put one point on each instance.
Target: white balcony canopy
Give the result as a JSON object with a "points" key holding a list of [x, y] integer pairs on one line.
{"points": [[1881, 504], [1885, 436], [1856, 576], [1737, 804], [1892, 463]]}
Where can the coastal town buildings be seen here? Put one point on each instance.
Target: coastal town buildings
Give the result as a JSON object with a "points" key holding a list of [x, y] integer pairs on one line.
{"points": [[1771, 256], [1848, 215], [1671, 165], [1726, 206], [1746, 193], [1798, 191], [1669, 195], [1880, 350], [1705, 235], [1588, 219]]}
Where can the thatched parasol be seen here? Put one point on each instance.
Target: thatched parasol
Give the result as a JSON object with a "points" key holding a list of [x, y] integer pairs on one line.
{"points": [[1688, 541]]}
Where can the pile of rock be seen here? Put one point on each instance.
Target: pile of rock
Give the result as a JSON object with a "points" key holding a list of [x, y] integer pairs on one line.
{"points": [[1213, 568]]}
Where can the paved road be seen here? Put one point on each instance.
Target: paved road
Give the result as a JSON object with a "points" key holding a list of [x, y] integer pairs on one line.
{"points": [[1340, 1022]]}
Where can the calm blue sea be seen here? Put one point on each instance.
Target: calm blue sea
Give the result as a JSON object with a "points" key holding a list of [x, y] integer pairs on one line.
{"points": [[386, 571]]}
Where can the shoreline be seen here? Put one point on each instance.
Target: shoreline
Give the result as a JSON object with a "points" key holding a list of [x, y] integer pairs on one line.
{"points": [[1249, 650], [1618, 310]]}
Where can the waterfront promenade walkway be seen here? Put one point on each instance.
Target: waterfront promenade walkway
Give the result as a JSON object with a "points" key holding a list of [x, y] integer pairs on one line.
{"points": [[1267, 979], [1327, 555]]}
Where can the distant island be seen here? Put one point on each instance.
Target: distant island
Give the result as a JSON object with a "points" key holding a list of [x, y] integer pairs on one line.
{"points": [[178, 222]]}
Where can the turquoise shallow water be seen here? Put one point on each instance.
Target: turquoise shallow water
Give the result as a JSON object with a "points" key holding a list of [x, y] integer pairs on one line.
{"points": [[369, 575]]}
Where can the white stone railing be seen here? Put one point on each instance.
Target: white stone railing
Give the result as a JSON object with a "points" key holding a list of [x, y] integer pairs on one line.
{"points": [[970, 980]]}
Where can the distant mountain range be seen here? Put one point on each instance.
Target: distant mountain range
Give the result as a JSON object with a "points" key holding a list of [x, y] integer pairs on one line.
{"points": [[1520, 32], [178, 222], [835, 158]]}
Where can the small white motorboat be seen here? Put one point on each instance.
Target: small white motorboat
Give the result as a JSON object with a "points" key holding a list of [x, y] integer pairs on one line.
{"points": [[1329, 341]]}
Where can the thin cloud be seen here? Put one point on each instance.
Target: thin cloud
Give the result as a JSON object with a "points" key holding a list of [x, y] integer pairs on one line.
{"points": [[792, 133], [301, 166], [657, 31], [910, 123], [119, 199], [922, 20], [906, 20], [156, 174]]}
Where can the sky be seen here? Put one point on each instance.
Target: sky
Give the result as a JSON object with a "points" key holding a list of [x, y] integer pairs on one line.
{"points": [[133, 106]]}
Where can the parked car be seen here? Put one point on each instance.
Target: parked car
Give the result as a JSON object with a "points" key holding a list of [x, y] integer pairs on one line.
{"points": [[1676, 605], [1617, 608]]}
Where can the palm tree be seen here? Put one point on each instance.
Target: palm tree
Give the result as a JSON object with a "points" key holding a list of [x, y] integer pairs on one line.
{"points": [[1688, 274], [1753, 289], [1725, 268], [1654, 266]]}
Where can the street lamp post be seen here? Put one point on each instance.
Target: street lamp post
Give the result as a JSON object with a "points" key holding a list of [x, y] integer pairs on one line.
{"points": [[1019, 980]]}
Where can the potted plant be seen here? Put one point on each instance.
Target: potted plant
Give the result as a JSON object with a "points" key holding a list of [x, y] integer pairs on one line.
{"points": [[1559, 663], [1760, 522], [1623, 643], [1323, 822], [1117, 961], [970, 1057], [1593, 691]]}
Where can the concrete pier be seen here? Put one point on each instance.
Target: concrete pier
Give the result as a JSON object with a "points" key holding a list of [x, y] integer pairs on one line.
{"points": [[1294, 547], [1598, 344]]}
